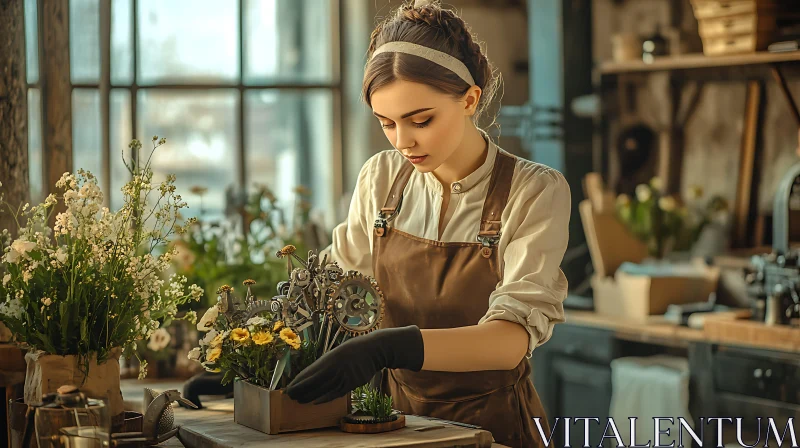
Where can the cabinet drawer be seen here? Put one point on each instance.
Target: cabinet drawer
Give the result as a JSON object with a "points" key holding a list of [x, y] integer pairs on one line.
{"points": [[714, 46], [762, 377], [577, 342], [735, 25], [710, 9]]}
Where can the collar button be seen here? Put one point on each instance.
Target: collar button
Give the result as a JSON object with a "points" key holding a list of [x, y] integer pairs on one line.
{"points": [[456, 187]]}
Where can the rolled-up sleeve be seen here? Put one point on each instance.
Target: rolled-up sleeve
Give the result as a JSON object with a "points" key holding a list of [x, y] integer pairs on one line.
{"points": [[534, 287], [350, 243]]}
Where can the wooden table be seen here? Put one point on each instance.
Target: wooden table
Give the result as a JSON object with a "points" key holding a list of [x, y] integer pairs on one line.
{"points": [[657, 330], [213, 427]]}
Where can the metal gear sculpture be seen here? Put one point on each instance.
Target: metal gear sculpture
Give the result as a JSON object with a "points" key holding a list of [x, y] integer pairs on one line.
{"points": [[356, 303]]}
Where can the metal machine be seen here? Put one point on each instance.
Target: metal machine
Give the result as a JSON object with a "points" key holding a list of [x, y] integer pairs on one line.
{"points": [[774, 280]]}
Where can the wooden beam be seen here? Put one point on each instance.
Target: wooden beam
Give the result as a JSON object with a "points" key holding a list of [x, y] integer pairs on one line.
{"points": [[787, 94], [13, 110], [744, 208], [56, 92], [781, 80]]}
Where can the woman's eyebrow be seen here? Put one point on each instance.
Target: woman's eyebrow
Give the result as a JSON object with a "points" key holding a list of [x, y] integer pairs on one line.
{"points": [[407, 114]]}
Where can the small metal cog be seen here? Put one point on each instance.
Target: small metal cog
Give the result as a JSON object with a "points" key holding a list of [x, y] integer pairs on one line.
{"points": [[356, 303]]}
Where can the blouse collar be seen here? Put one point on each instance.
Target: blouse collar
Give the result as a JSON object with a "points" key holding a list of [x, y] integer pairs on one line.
{"points": [[472, 179]]}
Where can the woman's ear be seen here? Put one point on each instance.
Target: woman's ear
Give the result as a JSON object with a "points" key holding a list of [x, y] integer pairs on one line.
{"points": [[471, 99]]}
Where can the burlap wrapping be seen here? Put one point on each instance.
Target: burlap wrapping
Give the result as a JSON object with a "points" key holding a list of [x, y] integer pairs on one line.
{"points": [[46, 373]]}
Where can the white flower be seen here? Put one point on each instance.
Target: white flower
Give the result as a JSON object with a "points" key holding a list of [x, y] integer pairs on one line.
{"points": [[643, 193], [6, 279], [12, 309], [191, 316], [194, 354], [667, 203], [47, 301], [257, 321], [159, 340], [209, 337], [656, 183], [61, 255], [208, 319], [196, 292], [26, 276], [19, 249]]}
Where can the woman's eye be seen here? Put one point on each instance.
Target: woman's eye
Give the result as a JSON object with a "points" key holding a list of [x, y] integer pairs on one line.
{"points": [[387, 125], [424, 123]]}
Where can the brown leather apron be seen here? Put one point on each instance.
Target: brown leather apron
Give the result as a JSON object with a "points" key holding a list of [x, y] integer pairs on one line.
{"points": [[434, 284]]}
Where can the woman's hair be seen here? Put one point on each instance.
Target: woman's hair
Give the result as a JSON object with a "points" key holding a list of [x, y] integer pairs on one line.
{"points": [[434, 27]]}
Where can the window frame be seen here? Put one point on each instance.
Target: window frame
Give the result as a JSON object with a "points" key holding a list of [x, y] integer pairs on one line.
{"points": [[104, 87]]}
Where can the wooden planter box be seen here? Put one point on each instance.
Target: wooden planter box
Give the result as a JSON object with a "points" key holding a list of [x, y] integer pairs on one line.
{"points": [[273, 412]]}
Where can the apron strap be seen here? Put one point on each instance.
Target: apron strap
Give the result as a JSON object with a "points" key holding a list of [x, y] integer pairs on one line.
{"points": [[394, 199], [495, 202], [396, 193]]}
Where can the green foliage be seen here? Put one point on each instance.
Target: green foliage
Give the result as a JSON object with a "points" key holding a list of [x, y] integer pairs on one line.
{"points": [[371, 401], [215, 253], [663, 222]]}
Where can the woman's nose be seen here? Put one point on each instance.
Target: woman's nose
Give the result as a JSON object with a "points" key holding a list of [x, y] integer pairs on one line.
{"points": [[404, 139]]}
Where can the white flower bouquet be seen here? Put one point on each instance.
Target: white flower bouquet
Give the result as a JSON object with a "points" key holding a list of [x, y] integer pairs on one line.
{"points": [[92, 283]]}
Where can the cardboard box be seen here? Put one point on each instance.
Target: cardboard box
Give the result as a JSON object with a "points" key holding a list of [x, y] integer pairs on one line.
{"points": [[638, 297], [619, 294]]}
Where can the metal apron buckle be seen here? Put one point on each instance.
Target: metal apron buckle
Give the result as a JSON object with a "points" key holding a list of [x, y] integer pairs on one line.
{"points": [[488, 242]]}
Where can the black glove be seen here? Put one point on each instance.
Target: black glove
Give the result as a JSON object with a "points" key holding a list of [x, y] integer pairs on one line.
{"points": [[356, 361], [205, 383]]}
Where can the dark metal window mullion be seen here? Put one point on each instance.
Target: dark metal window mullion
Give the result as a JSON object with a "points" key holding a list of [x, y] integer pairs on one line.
{"points": [[46, 188], [241, 170], [134, 89], [105, 98]]}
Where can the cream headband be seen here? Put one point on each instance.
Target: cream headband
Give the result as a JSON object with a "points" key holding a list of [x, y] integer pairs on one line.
{"points": [[435, 56]]}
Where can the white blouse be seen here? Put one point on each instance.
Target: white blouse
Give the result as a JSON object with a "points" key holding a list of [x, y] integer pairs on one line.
{"points": [[532, 243]]}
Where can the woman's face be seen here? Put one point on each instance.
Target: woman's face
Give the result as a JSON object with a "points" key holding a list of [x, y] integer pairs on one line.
{"points": [[424, 124]]}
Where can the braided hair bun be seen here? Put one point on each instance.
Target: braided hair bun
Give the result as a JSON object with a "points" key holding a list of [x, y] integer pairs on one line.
{"points": [[428, 24]]}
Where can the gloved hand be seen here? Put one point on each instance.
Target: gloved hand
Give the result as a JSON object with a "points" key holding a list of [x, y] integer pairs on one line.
{"points": [[356, 361]]}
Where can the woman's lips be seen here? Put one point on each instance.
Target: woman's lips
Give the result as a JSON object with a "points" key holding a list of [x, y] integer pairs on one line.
{"points": [[416, 159]]}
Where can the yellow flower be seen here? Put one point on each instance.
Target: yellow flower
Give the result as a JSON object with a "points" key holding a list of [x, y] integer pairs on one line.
{"points": [[213, 354], [278, 326], [262, 338], [291, 338], [240, 334]]}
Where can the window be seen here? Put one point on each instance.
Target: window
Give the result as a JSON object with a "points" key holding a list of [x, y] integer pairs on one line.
{"points": [[245, 91]]}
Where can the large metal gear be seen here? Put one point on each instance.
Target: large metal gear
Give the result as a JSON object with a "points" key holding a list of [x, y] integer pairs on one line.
{"points": [[259, 307], [356, 303]]}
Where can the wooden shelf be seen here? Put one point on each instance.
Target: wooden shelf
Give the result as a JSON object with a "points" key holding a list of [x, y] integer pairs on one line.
{"points": [[698, 60]]}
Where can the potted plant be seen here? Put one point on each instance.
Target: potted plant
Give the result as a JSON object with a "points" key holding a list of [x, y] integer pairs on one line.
{"points": [[663, 221], [81, 289], [372, 412], [261, 345]]}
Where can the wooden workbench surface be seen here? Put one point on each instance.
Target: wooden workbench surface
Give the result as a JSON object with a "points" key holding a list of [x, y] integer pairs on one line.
{"points": [[657, 330], [213, 427]]}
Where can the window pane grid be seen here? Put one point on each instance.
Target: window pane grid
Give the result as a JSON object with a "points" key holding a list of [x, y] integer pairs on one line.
{"points": [[267, 99]]}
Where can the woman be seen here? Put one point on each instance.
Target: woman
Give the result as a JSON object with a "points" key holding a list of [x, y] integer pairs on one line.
{"points": [[466, 245]]}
